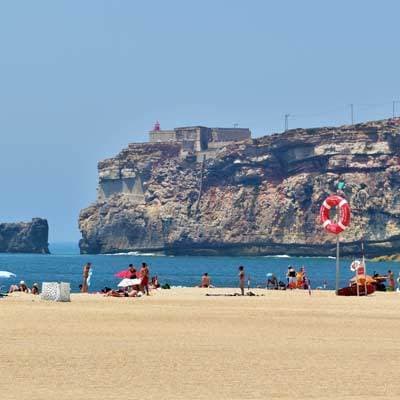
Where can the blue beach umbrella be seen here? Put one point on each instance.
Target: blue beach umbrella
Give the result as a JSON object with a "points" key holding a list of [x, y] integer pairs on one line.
{"points": [[7, 274]]}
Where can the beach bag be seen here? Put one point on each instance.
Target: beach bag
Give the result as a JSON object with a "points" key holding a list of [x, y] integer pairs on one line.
{"points": [[56, 291]]}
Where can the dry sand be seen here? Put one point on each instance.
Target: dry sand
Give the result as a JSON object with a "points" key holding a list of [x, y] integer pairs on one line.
{"points": [[180, 344]]}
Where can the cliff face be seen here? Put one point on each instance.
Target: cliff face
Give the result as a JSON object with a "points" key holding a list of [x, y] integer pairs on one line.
{"points": [[25, 237], [258, 197]]}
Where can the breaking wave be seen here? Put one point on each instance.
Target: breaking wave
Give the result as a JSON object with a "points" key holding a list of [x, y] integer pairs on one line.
{"points": [[135, 253]]}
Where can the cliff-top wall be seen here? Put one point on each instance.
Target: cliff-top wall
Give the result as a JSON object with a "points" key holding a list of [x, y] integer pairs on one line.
{"points": [[258, 197]]}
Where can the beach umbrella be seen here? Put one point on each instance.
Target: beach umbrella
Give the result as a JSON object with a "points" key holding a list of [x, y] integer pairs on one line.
{"points": [[123, 274], [7, 274], [129, 282], [126, 274]]}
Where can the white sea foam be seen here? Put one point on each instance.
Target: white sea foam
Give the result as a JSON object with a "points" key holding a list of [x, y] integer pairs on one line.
{"points": [[135, 253]]}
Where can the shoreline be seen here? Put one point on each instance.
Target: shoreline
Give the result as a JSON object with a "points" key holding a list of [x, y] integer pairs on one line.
{"points": [[198, 292], [130, 253]]}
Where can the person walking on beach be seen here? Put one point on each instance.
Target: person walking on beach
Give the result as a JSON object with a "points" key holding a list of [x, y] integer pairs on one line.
{"points": [[86, 270], [241, 279], [144, 275]]}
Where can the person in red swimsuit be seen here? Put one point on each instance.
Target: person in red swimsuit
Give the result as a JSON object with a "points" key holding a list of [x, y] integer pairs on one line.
{"points": [[144, 274]]}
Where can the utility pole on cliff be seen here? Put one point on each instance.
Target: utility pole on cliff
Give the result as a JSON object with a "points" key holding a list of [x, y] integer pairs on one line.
{"points": [[352, 113], [394, 108], [287, 121]]}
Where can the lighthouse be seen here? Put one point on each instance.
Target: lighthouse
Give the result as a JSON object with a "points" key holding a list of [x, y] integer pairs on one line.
{"points": [[156, 127]]}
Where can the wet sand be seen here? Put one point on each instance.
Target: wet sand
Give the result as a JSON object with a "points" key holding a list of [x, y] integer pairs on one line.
{"points": [[180, 344]]}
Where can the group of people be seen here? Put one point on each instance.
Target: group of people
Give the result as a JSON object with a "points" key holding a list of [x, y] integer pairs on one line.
{"points": [[296, 279], [391, 286], [134, 290], [23, 287], [390, 280], [206, 280]]}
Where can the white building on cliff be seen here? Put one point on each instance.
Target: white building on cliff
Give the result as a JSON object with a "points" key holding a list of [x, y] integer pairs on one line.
{"points": [[199, 140]]}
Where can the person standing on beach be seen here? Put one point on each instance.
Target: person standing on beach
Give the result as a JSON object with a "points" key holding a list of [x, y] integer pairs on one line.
{"points": [[144, 274], [132, 271], [291, 277], [241, 279], [86, 270], [391, 284], [300, 278]]}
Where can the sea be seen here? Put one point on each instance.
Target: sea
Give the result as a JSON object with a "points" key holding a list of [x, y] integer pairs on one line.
{"points": [[64, 264]]}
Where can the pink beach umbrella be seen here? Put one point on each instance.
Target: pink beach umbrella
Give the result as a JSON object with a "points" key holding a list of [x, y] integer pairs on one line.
{"points": [[123, 274], [126, 274]]}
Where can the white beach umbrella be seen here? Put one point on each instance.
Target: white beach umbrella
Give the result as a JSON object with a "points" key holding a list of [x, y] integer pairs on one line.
{"points": [[7, 274], [129, 282]]}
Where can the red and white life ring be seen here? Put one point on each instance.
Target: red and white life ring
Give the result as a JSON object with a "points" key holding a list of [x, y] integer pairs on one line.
{"points": [[344, 221], [355, 265]]}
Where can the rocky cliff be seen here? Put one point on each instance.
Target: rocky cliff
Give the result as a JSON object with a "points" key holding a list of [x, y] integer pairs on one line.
{"points": [[25, 237], [258, 197]]}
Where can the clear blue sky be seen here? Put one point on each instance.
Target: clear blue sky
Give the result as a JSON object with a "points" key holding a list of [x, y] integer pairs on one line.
{"points": [[82, 79]]}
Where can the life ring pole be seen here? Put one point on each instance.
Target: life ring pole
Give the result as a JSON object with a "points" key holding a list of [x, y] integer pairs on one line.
{"points": [[337, 265]]}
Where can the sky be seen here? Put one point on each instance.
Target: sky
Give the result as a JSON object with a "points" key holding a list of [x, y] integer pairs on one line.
{"points": [[82, 79]]}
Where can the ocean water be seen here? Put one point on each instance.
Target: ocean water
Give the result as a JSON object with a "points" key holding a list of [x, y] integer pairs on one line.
{"points": [[65, 264]]}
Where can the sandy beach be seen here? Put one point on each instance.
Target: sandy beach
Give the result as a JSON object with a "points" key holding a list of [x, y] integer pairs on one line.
{"points": [[181, 344]]}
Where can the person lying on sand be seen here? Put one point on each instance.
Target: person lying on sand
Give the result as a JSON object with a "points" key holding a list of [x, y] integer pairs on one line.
{"points": [[127, 293]]}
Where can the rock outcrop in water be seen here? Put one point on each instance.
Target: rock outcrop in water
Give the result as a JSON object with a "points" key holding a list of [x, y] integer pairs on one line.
{"points": [[25, 237], [261, 196]]}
